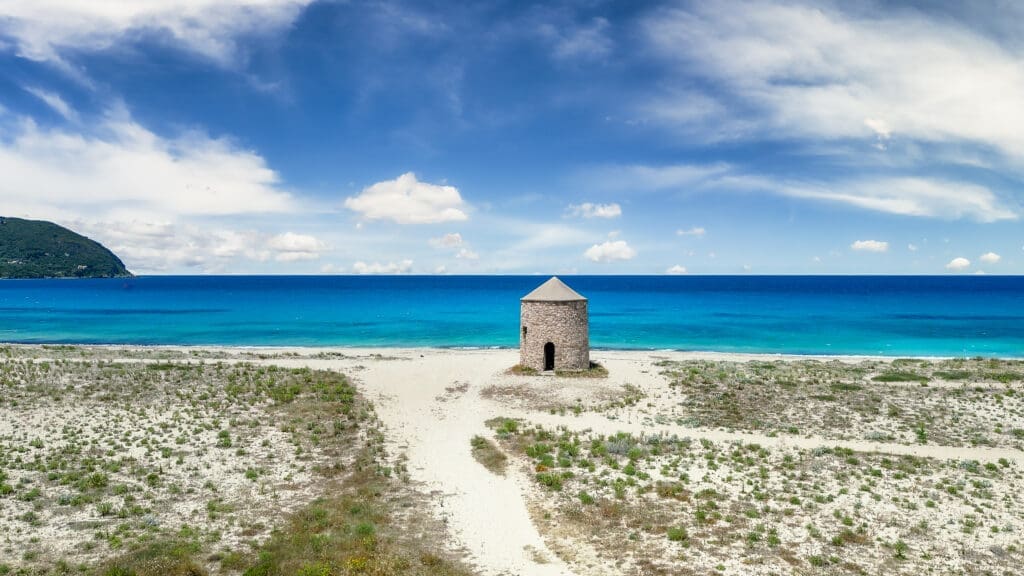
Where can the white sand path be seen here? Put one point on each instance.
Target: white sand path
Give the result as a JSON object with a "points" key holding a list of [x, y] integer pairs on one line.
{"points": [[432, 425], [487, 513]]}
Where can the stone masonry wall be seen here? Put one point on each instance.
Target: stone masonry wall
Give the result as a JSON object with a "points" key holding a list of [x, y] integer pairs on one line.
{"points": [[565, 324]]}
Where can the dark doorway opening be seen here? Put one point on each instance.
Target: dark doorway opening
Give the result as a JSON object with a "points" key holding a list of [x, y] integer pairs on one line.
{"points": [[549, 356]]}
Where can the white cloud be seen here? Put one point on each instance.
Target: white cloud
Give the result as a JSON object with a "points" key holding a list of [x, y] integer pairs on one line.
{"points": [[121, 171], [695, 231], [291, 247], [455, 240], [880, 128], [451, 240], [467, 254], [141, 194], [331, 269], [990, 258], [589, 210], [403, 267], [870, 246], [609, 251], [292, 242], [912, 247], [442, 269], [161, 246], [958, 264], [54, 101], [45, 30], [406, 200], [812, 70], [676, 270], [882, 132], [296, 256]]}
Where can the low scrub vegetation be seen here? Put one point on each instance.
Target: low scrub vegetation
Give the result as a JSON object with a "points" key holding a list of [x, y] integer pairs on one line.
{"points": [[194, 468]]}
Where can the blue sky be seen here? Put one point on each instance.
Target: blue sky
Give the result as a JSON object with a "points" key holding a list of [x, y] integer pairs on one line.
{"points": [[590, 137]]}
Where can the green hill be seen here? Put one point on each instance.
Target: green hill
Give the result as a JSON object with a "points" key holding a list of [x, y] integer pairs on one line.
{"points": [[37, 249]]}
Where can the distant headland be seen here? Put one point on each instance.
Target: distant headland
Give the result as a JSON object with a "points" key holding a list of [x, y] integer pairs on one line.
{"points": [[38, 249]]}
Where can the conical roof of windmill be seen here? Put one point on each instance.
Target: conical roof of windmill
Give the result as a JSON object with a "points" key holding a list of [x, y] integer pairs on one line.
{"points": [[554, 290]]}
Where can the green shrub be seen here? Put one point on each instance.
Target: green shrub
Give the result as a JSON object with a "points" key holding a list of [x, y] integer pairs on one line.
{"points": [[551, 480], [677, 534]]}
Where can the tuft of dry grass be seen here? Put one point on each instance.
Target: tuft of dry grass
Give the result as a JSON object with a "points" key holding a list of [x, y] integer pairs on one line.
{"points": [[595, 371], [487, 453], [521, 370]]}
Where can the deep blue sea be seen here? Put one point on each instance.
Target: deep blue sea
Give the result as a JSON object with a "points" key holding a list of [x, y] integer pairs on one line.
{"points": [[904, 315]]}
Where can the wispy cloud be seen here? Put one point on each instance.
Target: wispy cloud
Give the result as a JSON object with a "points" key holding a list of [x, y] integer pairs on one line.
{"points": [[46, 30], [909, 196], [933, 198], [809, 70], [450, 240], [589, 40], [401, 267], [467, 254], [695, 231], [649, 178], [54, 101], [590, 210]]}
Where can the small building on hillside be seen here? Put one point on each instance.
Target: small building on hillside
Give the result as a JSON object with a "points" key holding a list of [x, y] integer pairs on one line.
{"points": [[554, 329]]}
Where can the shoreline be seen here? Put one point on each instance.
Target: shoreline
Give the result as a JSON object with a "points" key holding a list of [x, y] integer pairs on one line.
{"points": [[673, 353]]}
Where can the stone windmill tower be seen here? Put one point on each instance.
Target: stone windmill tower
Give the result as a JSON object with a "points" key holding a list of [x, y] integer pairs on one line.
{"points": [[554, 330]]}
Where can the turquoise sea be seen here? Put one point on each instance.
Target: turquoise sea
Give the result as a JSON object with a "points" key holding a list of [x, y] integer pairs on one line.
{"points": [[902, 315]]}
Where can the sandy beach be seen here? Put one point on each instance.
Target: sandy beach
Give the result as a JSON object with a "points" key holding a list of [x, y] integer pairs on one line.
{"points": [[432, 402]]}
